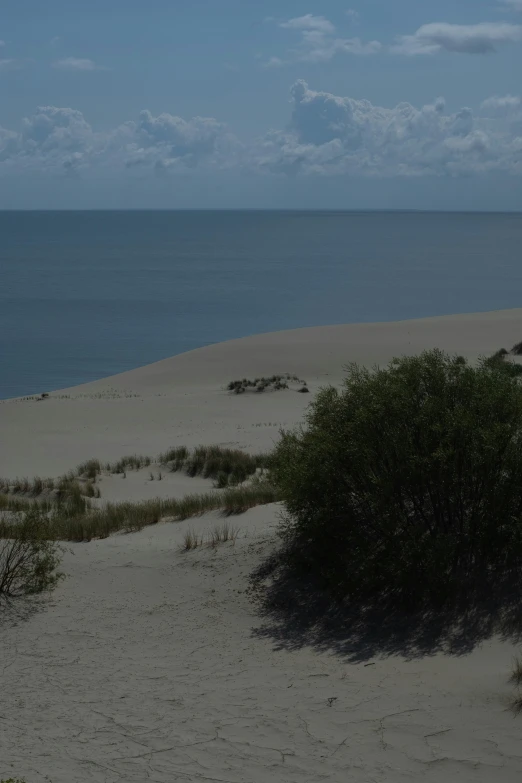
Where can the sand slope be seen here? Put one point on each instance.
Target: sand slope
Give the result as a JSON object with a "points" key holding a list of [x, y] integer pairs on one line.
{"points": [[149, 664], [181, 401], [146, 665]]}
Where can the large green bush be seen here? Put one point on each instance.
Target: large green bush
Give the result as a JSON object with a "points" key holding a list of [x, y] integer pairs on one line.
{"points": [[407, 483]]}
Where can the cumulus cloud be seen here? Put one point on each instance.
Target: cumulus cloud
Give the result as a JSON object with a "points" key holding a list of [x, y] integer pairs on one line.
{"points": [[76, 64], [319, 42], [334, 135], [467, 39], [326, 135]]}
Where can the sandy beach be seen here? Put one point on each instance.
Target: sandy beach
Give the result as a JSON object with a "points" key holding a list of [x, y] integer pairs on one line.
{"points": [[152, 664]]}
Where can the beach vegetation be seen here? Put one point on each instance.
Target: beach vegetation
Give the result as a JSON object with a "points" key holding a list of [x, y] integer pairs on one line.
{"points": [[29, 555], [76, 520], [274, 383], [404, 485]]}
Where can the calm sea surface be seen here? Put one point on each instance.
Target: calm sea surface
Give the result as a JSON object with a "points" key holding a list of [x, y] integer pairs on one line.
{"points": [[88, 294]]}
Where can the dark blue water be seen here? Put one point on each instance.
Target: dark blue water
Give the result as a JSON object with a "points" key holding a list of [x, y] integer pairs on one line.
{"points": [[88, 294]]}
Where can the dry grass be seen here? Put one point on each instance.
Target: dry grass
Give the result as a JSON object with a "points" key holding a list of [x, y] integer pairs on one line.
{"points": [[192, 540], [223, 533], [228, 467], [220, 534], [73, 519]]}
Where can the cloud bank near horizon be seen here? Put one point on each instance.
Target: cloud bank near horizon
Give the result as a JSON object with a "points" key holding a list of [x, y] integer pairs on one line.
{"points": [[326, 135]]}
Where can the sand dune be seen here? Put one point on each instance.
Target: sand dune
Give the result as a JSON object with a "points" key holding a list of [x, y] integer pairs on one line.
{"points": [[153, 664], [181, 401]]}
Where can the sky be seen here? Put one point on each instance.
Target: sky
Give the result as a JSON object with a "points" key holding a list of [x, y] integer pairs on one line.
{"points": [[283, 104]]}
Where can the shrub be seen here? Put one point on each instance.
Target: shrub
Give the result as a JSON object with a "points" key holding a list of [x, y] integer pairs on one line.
{"points": [[498, 361], [29, 558], [405, 484]]}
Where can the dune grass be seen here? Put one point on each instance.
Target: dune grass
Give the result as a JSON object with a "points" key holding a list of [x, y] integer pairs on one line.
{"points": [[220, 534], [228, 467], [76, 520]]}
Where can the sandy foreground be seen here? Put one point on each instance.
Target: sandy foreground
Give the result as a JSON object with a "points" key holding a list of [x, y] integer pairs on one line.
{"points": [[152, 664]]}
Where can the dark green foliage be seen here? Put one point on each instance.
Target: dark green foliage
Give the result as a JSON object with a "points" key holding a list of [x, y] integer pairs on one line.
{"points": [[498, 362], [275, 382], [216, 462], [29, 557], [517, 349], [303, 390], [406, 484]]}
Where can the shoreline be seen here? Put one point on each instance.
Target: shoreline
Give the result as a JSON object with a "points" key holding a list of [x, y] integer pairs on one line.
{"points": [[183, 400]]}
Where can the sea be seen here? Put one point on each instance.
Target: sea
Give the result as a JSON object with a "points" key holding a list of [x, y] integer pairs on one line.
{"points": [[85, 295]]}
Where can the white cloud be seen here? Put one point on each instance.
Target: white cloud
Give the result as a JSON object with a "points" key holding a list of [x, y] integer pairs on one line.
{"points": [[274, 62], [55, 40], [2, 43], [76, 64], [318, 42], [327, 135], [310, 22], [501, 104], [353, 15], [332, 135], [467, 39]]}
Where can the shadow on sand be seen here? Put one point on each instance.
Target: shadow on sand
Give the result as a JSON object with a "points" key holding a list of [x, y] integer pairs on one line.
{"points": [[14, 611], [296, 613]]}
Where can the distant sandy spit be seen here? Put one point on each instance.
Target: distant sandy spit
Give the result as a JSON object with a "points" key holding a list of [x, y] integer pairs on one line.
{"points": [[183, 401]]}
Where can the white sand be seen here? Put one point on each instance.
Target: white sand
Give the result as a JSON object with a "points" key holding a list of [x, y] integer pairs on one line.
{"points": [[149, 664], [145, 666], [182, 400]]}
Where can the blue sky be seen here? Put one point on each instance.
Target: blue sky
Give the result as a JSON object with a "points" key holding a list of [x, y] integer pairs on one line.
{"points": [[229, 103]]}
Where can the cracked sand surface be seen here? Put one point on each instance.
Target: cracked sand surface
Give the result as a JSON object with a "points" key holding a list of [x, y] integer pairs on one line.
{"points": [[143, 667]]}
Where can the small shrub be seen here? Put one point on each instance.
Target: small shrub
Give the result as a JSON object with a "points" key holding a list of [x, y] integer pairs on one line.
{"points": [[497, 361], [517, 349], [29, 557], [405, 484], [303, 390]]}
